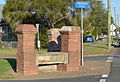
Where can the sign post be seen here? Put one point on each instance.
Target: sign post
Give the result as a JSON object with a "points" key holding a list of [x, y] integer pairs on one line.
{"points": [[82, 36], [81, 5], [38, 37]]}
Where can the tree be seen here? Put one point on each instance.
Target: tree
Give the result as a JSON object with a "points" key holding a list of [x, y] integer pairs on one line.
{"points": [[96, 18], [53, 11], [48, 13], [99, 16]]}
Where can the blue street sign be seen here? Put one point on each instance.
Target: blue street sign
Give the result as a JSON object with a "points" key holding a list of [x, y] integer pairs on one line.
{"points": [[82, 4]]}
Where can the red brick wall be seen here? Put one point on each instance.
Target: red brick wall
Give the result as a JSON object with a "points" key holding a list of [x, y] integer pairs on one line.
{"points": [[71, 43], [64, 41], [26, 58]]}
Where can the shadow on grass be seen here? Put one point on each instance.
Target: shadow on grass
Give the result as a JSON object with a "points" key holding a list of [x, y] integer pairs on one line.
{"points": [[115, 46], [12, 62]]}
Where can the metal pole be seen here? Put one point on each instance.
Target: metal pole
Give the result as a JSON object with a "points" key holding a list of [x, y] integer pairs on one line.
{"points": [[38, 37], [118, 23], [109, 22], [112, 33], [115, 14], [115, 21], [82, 60], [118, 20]]}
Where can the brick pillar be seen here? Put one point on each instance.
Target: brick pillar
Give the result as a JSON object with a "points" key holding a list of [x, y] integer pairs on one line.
{"points": [[64, 41], [26, 58], [71, 42]]}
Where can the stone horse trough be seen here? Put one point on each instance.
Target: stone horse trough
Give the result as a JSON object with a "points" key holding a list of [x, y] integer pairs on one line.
{"points": [[48, 62], [65, 41]]}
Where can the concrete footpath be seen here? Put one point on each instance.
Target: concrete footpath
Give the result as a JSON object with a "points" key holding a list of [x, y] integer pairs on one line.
{"points": [[90, 68], [96, 66]]}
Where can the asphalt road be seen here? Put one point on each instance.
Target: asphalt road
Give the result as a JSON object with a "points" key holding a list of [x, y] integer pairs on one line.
{"points": [[96, 58], [114, 75]]}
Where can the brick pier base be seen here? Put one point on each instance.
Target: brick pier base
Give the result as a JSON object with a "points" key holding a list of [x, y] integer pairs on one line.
{"points": [[71, 42], [26, 58]]}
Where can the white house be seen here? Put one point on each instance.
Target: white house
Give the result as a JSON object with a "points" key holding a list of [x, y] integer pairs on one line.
{"points": [[112, 29], [7, 35]]}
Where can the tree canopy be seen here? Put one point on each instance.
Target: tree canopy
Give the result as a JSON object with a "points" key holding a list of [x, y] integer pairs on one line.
{"points": [[56, 13], [50, 11]]}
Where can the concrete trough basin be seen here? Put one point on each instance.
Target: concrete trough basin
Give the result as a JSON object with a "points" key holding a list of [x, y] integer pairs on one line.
{"points": [[48, 62], [52, 58]]}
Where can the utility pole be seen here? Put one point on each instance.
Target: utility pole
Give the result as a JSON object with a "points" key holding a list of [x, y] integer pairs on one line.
{"points": [[115, 14], [117, 25], [109, 22], [118, 20]]}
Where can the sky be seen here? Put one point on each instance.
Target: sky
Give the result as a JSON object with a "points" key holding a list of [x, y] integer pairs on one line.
{"points": [[115, 7], [2, 1]]}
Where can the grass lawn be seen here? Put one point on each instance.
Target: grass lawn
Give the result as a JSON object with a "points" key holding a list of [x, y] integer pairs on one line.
{"points": [[4, 68], [42, 51], [94, 50], [85, 45], [6, 51], [100, 49]]}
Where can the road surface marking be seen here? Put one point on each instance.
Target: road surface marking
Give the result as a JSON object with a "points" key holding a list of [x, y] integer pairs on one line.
{"points": [[109, 61], [104, 76], [110, 58], [102, 80]]}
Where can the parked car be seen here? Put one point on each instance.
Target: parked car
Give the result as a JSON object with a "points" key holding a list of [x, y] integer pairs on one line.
{"points": [[88, 39]]}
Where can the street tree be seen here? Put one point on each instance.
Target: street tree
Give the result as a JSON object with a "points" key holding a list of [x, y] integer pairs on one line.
{"points": [[96, 19], [50, 11]]}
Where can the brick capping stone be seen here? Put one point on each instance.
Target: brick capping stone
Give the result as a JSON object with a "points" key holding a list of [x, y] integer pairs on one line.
{"points": [[26, 57]]}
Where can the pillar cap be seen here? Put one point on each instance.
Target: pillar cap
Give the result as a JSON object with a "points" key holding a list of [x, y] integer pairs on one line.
{"points": [[26, 28], [70, 28]]}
